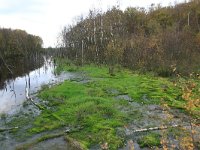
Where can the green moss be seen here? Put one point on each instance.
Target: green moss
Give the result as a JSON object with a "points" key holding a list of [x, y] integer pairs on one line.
{"points": [[150, 140], [23, 122], [92, 105], [43, 138], [65, 65], [94, 110]]}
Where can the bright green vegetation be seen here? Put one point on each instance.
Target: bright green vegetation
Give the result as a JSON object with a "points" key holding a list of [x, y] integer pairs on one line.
{"points": [[146, 89], [66, 65], [75, 104], [93, 106], [150, 140]]}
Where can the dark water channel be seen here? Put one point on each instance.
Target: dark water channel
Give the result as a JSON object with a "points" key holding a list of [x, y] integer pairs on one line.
{"points": [[12, 95]]}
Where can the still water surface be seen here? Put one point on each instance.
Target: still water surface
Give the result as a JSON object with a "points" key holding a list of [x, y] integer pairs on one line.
{"points": [[13, 95]]}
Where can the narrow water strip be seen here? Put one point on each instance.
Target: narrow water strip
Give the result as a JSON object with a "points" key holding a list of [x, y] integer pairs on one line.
{"points": [[13, 95]]}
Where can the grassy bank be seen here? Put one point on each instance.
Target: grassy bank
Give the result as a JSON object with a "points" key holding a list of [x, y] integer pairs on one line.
{"points": [[93, 102], [94, 105], [176, 92]]}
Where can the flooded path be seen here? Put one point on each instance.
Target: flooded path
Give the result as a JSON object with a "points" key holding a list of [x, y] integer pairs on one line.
{"points": [[13, 95]]}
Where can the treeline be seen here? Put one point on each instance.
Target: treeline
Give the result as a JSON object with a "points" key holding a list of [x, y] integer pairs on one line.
{"points": [[19, 53], [18, 43], [165, 40], [54, 52]]}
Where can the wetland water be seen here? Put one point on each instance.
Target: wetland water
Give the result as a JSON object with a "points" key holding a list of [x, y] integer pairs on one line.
{"points": [[12, 95]]}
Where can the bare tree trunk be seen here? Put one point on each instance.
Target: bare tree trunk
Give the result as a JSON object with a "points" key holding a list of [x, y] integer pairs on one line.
{"points": [[82, 52], [111, 70], [189, 19]]}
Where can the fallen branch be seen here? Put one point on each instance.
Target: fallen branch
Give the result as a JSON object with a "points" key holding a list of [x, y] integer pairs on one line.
{"points": [[37, 105], [153, 128], [30, 99], [41, 107], [75, 129], [8, 129]]}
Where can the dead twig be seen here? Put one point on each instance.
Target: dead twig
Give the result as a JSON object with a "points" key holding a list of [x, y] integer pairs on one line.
{"points": [[6, 65], [153, 128], [8, 129], [30, 99]]}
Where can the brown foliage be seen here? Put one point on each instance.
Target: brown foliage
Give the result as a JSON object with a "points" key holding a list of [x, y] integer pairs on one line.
{"points": [[148, 41]]}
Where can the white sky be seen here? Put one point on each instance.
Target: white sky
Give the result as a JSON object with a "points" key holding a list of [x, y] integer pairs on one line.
{"points": [[46, 18]]}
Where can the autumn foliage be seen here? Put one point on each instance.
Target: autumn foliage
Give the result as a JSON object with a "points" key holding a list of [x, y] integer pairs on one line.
{"points": [[147, 40]]}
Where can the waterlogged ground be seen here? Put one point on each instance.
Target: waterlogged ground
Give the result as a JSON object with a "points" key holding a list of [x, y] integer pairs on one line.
{"points": [[13, 95], [97, 111]]}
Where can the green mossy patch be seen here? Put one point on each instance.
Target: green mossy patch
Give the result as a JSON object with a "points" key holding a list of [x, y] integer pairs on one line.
{"points": [[64, 64], [93, 105], [99, 116], [149, 140]]}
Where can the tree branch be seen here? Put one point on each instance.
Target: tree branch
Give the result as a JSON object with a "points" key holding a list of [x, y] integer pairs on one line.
{"points": [[6, 65]]}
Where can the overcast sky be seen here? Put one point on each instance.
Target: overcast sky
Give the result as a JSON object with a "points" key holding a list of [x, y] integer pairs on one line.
{"points": [[46, 18]]}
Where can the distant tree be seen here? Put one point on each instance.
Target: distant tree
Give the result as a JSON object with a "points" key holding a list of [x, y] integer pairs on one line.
{"points": [[152, 40]]}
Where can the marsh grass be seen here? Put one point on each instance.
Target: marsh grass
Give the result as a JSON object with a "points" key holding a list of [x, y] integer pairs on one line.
{"points": [[93, 106], [150, 140]]}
